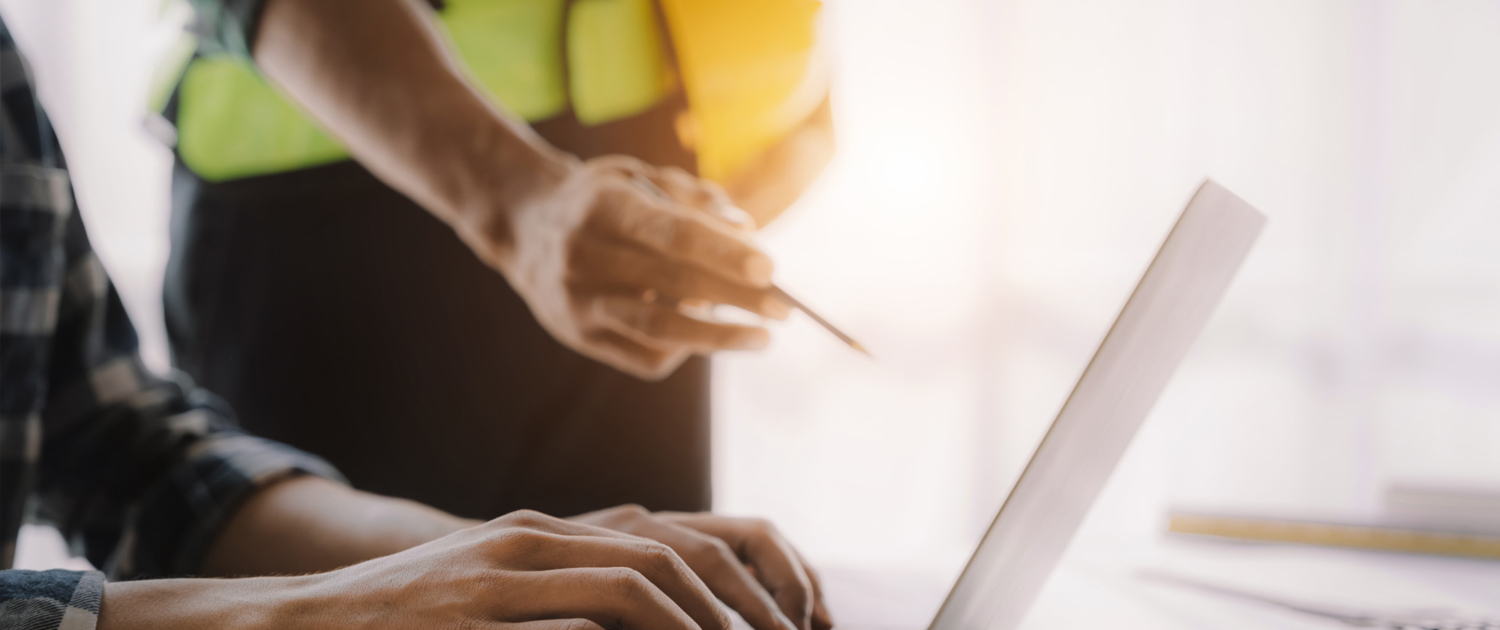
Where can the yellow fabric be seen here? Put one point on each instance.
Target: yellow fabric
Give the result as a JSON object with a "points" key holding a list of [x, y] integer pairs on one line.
{"points": [[751, 71], [749, 68]]}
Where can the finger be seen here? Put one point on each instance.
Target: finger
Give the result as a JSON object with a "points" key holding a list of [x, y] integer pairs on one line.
{"points": [[708, 556], [533, 520], [546, 624], [636, 216], [630, 269], [821, 619], [665, 328], [757, 543], [722, 571], [703, 195], [654, 560], [611, 597], [632, 357]]}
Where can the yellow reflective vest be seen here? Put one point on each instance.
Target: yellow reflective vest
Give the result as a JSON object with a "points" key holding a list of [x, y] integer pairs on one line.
{"points": [[750, 71]]}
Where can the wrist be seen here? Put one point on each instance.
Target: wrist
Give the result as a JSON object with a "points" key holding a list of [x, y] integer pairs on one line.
{"points": [[241, 604], [499, 167]]}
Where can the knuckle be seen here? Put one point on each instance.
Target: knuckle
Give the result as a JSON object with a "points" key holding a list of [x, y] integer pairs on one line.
{"points": [[633, 510], [760, 526], [624, 582], [660, 558], [709, 549], [526, 518], [518, 541]]}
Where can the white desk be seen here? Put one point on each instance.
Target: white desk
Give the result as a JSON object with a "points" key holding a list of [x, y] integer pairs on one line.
{"points": [[1099, 592]]}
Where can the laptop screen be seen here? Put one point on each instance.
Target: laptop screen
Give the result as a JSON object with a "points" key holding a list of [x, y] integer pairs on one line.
{"points": [[1132, 366]]}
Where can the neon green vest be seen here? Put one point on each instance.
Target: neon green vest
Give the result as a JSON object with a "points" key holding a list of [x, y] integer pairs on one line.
{"points": [[232, 124], [750, 69]]}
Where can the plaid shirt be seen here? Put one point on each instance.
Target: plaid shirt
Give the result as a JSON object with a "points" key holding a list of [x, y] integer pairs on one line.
{"points": [[137, 471]]}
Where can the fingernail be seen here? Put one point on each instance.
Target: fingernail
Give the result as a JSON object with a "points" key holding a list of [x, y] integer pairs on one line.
{"points": [[758, 269], [774, 308]]}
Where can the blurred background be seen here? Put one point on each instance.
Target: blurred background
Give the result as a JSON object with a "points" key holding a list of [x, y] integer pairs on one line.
{"points": [[1006, 169]]}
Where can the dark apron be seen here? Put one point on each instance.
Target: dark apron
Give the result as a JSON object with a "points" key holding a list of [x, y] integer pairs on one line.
{"points": [[339, 317]]}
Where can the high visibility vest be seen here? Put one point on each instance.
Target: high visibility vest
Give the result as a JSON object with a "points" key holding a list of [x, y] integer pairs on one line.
{"points": [[749, 69]]}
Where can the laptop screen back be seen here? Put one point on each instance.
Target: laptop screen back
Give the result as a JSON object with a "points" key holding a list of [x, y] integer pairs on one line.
{"points": [[1132, 366]]}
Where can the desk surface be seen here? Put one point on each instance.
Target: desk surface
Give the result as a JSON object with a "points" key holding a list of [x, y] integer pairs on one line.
{"points": [[1107, 592]]}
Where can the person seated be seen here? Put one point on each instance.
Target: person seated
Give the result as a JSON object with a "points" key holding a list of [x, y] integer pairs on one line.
{"points": [[150, 479]]}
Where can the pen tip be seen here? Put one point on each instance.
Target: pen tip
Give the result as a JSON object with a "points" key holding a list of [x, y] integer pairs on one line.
{"points": [[856, 345]]}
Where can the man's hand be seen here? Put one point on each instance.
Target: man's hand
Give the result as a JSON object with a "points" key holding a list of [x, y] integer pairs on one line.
{"points": [[744, 561], [522, 570], [623, 275], [608, 269]]}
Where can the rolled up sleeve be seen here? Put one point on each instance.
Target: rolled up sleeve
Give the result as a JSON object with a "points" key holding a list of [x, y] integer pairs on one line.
{"points": [[50, 600], [139, 472]]}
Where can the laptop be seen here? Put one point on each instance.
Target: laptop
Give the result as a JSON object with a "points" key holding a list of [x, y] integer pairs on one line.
{"points": [[1148, 340]]}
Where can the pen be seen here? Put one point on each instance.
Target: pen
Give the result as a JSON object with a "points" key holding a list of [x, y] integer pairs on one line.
{"points": [[777, 292]]}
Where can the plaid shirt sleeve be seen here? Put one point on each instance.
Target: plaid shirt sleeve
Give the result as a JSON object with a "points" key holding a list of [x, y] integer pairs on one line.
{"points": [[138, 472], [65, 600]]}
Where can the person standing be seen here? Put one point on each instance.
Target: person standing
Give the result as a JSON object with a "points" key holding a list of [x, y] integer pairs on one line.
{"points": [[326, 297], [150, 479]]}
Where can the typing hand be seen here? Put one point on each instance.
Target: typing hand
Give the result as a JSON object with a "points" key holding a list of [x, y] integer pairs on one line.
{"points": [[522, 571], [744, 561], [615, 272], [527, 569]]}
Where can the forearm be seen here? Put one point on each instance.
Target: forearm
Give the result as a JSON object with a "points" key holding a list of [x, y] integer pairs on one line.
{"points": [[251, 603], [377, 74], [308, 524]]}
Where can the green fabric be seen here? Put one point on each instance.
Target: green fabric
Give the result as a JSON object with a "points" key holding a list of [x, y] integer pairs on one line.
{"points": [[618, 64], [512, 48], [232, 124]]}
